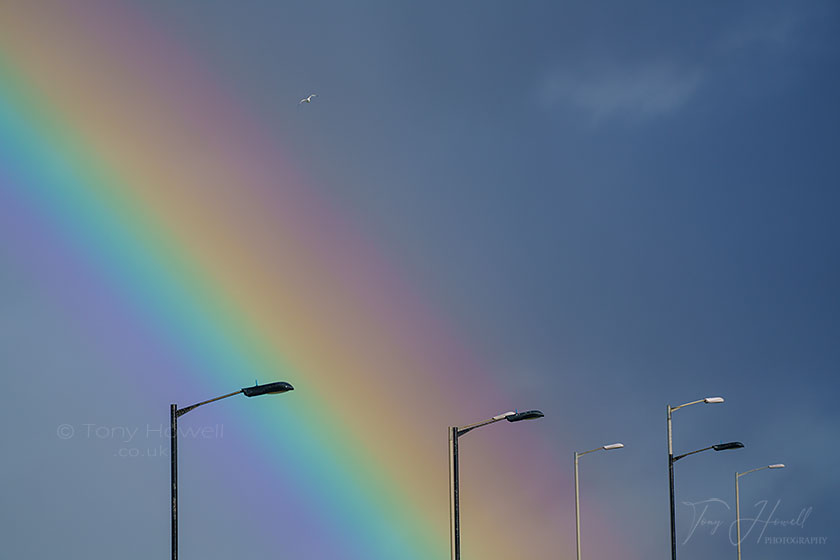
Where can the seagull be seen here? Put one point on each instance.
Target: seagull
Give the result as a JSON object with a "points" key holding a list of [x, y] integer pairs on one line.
{"points": [[308, 99]]}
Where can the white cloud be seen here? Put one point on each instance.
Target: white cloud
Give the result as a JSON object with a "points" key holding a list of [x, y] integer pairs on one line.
{"points": [[775, 29], [633, 93]]}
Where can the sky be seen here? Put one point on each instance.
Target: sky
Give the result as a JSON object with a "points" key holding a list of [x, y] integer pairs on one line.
{"points": [[594, 209]]}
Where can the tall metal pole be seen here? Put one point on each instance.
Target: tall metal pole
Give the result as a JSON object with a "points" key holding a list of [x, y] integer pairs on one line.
{"points": [[454, 433], [174, 413], [173, 454], [671, 488], [454, 528], [577, 508], [738, 514]]}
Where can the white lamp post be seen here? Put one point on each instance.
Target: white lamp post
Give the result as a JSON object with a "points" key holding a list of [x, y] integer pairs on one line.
{"points": [[738, 499], [577, 492]]}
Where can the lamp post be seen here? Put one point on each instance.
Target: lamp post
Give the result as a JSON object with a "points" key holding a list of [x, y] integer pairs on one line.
{"points": [[717, 447], [671, 409], [738, 499], [577, 493], [454, 433], [175, 412]]}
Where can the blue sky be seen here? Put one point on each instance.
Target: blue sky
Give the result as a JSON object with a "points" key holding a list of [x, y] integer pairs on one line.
{"points": [[622, 205]]}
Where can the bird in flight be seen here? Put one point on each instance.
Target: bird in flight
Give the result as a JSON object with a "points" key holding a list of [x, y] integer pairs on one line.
{"points": [[308, 99]]}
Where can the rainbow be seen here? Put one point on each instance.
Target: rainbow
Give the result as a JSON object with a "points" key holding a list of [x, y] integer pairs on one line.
{"points": [[170, 213]]}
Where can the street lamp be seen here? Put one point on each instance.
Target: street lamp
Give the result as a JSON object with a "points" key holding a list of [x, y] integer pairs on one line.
{"points": [[671, 409], [454, 433], [175, 412], [717, 447], [738, 499], [577, 493]]}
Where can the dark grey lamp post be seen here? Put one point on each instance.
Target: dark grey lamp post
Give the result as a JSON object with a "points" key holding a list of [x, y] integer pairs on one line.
{"points": [[454, 433], [175, 412], [671, 461]]}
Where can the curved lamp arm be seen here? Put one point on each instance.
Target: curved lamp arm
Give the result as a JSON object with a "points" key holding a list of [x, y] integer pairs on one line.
{"points": [[718, 447], [266, 389]]}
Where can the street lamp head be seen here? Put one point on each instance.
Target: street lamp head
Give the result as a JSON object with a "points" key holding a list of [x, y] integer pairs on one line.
{"points": [[776, 466], [267, 389], [613, 446], [730, 445], [712, 400], [527, 415]]}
